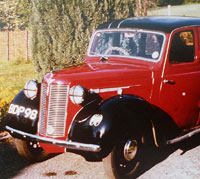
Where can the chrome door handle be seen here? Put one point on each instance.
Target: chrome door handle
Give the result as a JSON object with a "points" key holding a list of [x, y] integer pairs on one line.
{"points": [[171, 82]]}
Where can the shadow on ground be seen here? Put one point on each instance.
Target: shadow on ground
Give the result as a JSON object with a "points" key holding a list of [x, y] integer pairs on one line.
{"points": [[10, 162], [156, 156]]}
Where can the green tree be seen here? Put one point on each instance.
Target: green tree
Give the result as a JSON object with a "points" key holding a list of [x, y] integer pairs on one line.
{"points": [[7, 14], [23, 13], [14, 14], [61, 28]]}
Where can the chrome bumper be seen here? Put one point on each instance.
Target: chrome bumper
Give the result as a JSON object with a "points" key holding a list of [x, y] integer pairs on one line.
{"points": [[61, 143]]}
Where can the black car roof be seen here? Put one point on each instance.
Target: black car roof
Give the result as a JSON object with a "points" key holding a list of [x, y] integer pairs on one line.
{"points": [[159, 23]]}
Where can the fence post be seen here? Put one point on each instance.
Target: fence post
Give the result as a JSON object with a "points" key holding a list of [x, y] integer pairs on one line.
{"points": [[8, 46], [169, 10], [27, 44]]}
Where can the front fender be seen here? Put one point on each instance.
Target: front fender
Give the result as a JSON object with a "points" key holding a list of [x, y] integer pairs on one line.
{"points": [[23, 113], [121, 116]]}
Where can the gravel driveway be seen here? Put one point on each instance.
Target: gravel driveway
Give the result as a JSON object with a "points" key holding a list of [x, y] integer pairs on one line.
{"points": [[172, 162]]}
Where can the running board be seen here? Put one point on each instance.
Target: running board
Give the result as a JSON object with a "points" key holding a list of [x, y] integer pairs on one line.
{"points": [[183, 137]]}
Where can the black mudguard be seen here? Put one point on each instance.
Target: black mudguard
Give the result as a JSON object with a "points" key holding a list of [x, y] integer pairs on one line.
{"points": [[164, 127], [122, 115], [23, 113]]}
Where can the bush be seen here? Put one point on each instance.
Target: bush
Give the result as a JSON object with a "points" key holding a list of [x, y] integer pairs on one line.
{"points": [[61, 28], [175, 2], [6, 96]]}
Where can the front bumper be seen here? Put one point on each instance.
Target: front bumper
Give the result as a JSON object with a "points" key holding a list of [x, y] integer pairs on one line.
{"points": [[61, 143]]}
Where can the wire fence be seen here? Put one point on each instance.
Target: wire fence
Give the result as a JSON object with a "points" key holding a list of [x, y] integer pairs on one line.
{"points": [[15, 45]]}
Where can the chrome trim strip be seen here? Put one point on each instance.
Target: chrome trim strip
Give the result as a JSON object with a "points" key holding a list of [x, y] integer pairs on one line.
{"points": [[43, 100], [61, 143], [110, 25], [5, 137], [121, 23], [104, 90]]}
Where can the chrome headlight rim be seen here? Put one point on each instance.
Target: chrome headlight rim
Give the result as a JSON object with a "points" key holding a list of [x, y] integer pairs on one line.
{"points": [[31, 89], [77, 94]]}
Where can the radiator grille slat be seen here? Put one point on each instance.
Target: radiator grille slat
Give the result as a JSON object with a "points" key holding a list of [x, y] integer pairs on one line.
{"points": [[57, 110], [42, 109]]}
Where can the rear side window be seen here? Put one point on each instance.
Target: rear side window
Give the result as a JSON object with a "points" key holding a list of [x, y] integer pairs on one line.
{"points": [[182, 47]]}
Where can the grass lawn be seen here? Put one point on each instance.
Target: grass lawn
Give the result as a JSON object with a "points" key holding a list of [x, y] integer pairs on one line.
{"points": [[181, 10], [16, 73], [13, 75]]}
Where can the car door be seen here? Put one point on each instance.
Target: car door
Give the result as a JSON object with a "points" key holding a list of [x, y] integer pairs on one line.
{"points": [[180, 88]]}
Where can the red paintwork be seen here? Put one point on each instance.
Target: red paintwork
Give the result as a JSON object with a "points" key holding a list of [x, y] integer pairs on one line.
{"points": [[146, 79], [181, 100]]}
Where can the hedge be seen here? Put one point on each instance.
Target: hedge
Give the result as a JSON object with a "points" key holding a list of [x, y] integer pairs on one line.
{"points": [[61, 29]]}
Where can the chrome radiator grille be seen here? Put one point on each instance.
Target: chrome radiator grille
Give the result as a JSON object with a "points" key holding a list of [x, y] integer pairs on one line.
{"points": [[56, 114]]}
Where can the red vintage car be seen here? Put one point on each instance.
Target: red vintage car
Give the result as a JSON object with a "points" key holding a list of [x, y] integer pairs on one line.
{"points": [[139, 88]]}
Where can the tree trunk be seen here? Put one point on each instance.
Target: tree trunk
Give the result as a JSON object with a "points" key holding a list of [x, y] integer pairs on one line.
{"points": [[141, 7]]}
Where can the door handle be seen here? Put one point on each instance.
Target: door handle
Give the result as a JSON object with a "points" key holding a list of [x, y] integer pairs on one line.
{"points": [[171, 82]]}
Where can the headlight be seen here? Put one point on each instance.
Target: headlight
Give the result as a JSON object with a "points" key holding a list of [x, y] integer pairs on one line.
{"points": [[31, 89], [77, 94]]}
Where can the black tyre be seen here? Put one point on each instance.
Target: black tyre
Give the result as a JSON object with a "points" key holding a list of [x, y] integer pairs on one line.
{"points": [[30, 151], [125, 159]]}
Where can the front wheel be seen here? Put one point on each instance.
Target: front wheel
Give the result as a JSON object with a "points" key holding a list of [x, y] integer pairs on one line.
{"points": [[125, 159], [30, 151]]}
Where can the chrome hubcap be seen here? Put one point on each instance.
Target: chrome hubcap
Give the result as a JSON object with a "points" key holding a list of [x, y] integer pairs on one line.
{"points": [[130, 149]]}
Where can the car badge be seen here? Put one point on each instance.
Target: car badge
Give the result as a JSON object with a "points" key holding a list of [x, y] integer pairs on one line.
{"points": [[49, 81]]}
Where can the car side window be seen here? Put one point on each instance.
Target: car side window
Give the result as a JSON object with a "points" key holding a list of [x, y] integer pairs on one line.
{"points": [[182, 47]]}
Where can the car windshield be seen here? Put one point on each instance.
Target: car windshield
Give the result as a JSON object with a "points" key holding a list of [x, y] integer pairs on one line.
{"points": [[130, 44]]}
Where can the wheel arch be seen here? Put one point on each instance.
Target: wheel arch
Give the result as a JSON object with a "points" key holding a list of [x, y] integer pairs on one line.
{"points": [[127, 114]]}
